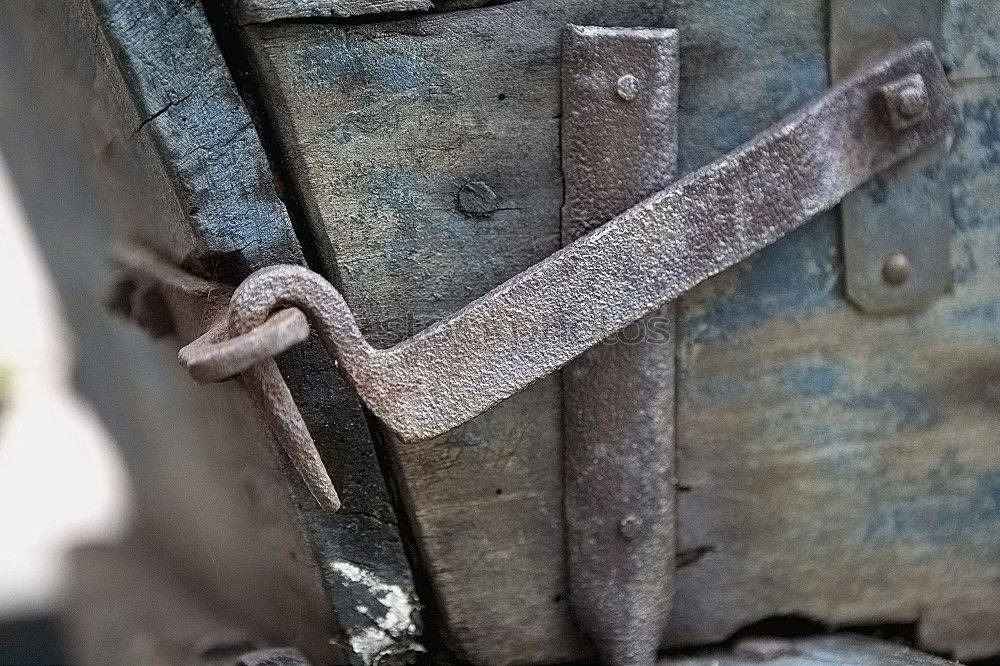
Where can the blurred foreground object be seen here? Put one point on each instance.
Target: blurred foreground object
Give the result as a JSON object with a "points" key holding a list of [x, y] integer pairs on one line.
{"points": [[61, 480]]}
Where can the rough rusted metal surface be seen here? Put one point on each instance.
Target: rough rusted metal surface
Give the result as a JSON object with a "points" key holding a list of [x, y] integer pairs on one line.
{"points": [[215, 356], [198, 310], [538, 320], [905, 101], [619, 145], [904, 211]]}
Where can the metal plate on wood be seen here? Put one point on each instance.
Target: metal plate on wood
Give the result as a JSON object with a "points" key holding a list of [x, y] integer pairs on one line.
{"points": [[619, 145], [897, 227]]}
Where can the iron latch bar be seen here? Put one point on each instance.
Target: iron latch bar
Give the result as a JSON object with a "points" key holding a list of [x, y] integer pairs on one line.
{"points": [[542, 318], [706, 222], [165, 298]]}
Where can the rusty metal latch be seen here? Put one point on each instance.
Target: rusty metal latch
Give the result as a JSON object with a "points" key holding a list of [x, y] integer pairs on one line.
{"points": [[166, 299], [648, 255]]}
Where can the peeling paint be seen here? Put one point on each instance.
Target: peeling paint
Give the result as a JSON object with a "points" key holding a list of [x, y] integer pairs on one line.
{"points": [[391, 631]]}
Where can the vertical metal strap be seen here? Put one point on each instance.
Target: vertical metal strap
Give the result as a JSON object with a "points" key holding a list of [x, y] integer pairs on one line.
{"points": [[898, 226], [619, 144]]}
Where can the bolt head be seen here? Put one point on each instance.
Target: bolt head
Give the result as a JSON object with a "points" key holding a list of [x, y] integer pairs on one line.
{"points": [[477, 199], [630, 527], [896, 269], [906, 101], [627, 87], [912, 101]]}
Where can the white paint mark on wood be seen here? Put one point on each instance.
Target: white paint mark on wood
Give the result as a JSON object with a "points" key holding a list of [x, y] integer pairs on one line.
{"points": [[391, 630]]}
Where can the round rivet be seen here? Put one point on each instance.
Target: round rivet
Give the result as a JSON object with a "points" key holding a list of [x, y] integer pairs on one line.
{"points": [[627, 87], [477, 199], [896, 269], [630, 526]]}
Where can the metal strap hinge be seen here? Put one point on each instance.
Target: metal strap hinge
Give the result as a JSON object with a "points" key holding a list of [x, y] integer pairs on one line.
{"points": [[619, 145]]}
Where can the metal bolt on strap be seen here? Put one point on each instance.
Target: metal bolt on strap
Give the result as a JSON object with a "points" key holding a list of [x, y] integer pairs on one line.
{"points": [[542, 318]]}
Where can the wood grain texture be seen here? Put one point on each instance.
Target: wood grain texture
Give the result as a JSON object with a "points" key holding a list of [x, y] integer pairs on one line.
{"points": [[837, 465], [175, 114], [262, 11], [127, 124], [831, 464]]}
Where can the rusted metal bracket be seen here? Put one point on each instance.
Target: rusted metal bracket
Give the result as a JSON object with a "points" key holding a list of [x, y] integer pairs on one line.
{"points": [[704, 223], [619, 144], [897, 228]]}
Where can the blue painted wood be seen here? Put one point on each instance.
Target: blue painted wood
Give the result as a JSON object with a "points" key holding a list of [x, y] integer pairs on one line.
{"points": [[262, 11], [831, 464], [184, 123], [843, 466]]}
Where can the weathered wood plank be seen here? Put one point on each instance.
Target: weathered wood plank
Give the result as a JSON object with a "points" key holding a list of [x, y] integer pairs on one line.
{"points": [[390, 145], [972, 40], [831, 464], [385, 124], [836, 465], [262, 11], [175, 113]]}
